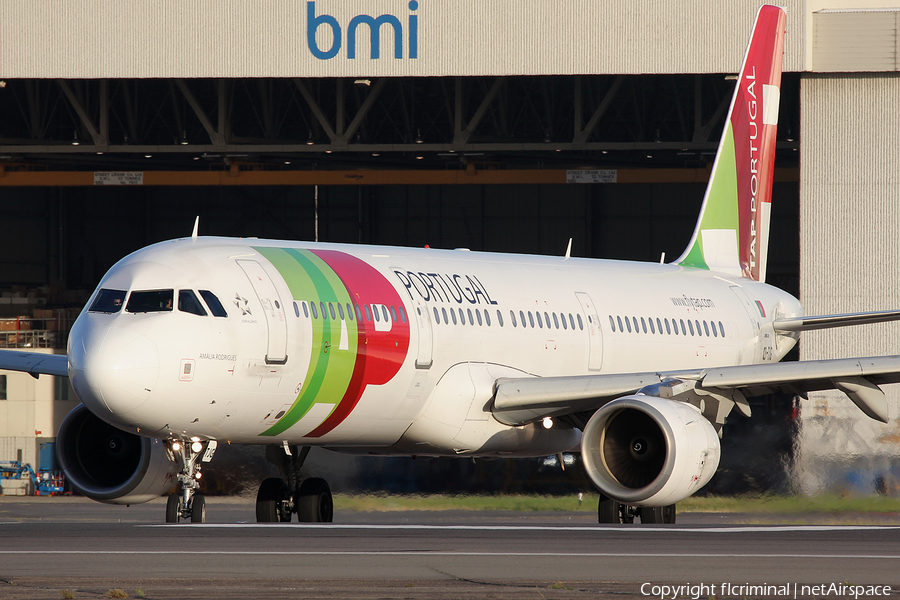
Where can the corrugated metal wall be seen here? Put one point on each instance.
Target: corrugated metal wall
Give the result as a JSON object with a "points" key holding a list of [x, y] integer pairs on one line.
{"points": [[256, 38], [849, 259], [856, 41]]}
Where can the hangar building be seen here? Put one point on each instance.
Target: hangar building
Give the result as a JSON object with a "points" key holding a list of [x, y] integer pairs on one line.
{"points": [[511, 125]]}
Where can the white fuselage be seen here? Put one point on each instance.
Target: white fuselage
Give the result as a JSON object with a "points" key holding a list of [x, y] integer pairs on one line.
{"points": [[273, 368]]}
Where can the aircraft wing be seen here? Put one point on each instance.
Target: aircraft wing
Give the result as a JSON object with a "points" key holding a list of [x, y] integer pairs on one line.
{"points": [[35, 363], [527, 399]]}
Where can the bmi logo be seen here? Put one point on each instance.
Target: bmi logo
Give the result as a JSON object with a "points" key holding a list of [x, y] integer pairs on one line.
{"points": [[375, 25]]}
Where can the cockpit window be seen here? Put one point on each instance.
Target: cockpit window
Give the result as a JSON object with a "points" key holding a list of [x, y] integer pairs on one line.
{"points": [[150, 301], [108, 301], [188, 302], [213, 303]]}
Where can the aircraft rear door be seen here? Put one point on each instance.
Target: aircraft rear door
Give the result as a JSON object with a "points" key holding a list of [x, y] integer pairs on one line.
{"points": [[272, 308], [595, 356], [763, 349]]}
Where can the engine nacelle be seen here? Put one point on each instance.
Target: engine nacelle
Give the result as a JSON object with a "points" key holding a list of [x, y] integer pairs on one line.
{"points": [[109, 465], [647, 451]]}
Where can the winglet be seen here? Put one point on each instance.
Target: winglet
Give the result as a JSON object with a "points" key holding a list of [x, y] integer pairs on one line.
{"points": [[568, 250], [196, 228], [732, 233]]}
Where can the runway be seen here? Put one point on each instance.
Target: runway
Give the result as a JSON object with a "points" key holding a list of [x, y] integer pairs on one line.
{"points": [[60, 544]]}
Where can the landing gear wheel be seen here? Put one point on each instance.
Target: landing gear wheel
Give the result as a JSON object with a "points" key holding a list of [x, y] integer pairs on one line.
{"points": [[269, 501], [173, 508], [611, 511], [608, 510], [314, 502], [198, 509], [658, 514]]}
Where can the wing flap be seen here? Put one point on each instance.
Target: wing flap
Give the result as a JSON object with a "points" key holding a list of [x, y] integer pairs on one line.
{"points": [[807, 375], [35, 363]]}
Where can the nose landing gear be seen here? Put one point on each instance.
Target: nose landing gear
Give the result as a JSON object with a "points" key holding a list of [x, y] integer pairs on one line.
{"points": [[188, 504]]}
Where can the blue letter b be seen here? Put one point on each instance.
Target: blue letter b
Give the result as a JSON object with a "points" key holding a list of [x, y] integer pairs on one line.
{"points": [[312, 24]]}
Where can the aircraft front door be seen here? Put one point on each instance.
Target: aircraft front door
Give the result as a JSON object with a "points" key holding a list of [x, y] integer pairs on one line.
{"points": [[423, 319], [272, 308]]}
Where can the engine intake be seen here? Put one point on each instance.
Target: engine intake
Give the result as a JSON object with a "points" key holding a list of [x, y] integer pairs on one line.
{"points": [[648, 451], [110, 465]]}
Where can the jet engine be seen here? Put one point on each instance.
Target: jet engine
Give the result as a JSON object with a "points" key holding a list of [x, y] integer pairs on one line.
{"points": [[110, 465], [647, 451]]}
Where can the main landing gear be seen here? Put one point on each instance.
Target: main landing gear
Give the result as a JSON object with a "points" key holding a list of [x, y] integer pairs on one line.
{"points": [[612, 511], [188, 504], [279, 497]]}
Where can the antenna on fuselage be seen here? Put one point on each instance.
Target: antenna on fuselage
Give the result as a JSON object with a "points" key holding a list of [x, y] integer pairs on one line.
{"points": [[196, 228], [568, 250]]}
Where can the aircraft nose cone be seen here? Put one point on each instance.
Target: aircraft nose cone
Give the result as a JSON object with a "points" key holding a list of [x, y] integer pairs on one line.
{"points": [[114, 372]]}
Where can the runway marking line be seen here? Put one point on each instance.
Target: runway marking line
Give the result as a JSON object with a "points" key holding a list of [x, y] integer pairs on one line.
{"points": [[593, 529], [427, 553]]}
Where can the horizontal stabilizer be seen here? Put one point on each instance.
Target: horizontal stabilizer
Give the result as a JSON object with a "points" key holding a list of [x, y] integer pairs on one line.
{"points": [[35, 363], [827, 321]]}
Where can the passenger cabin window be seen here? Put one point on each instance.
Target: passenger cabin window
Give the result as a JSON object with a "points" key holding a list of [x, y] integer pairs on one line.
{"points": [[108, 301], [188, 302], [150, 301], [215, 307]]}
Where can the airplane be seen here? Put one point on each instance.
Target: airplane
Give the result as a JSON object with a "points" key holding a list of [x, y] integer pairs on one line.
{"points": [[194, 342]]}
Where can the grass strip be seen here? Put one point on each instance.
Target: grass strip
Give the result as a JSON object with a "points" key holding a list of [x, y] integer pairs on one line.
{"points": [[825, 503]]}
